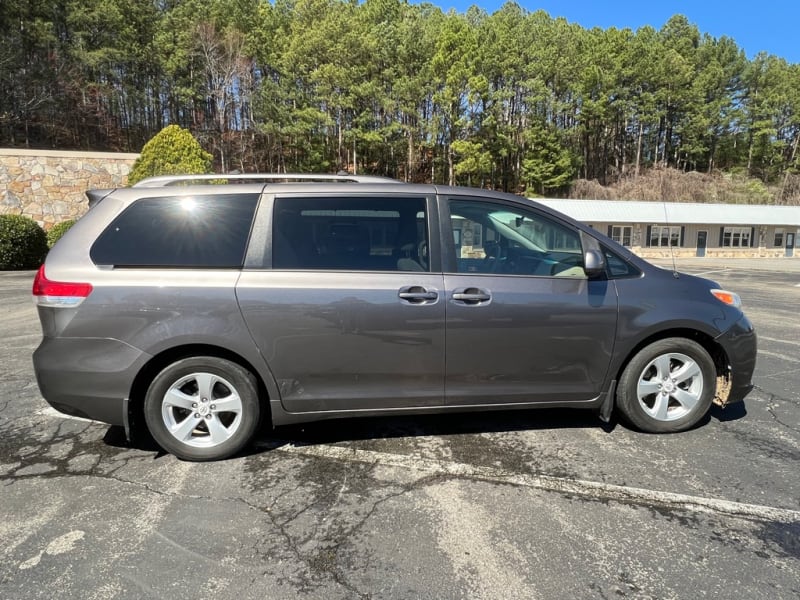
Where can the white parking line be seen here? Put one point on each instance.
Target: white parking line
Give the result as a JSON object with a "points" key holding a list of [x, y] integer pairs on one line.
{"points": [[785, 357], [780, 341], [549, 483], [52, 412], [702, 273]]}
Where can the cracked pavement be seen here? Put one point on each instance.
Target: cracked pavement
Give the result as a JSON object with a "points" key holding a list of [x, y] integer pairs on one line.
{"points": [[534, 504]]}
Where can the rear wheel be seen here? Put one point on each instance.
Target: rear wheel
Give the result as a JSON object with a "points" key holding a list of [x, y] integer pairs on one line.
{"points": [[668, 386], [202, 408]]}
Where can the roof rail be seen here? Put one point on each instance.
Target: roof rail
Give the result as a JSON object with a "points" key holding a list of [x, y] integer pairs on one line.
{"points": [[165, 180]]}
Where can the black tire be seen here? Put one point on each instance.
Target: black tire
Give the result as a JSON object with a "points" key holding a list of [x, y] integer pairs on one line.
{"points": [[194, 400], [655, 405]]}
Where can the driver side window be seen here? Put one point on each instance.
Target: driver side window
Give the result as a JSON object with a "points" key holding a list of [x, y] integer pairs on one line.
{"points": [[502, 239]]}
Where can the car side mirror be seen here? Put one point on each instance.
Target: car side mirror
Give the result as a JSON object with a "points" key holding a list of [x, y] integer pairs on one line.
{"points": [[594, 263]]}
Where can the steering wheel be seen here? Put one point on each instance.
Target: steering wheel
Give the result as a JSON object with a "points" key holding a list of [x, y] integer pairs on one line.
{"points": [[494, 257], [422, 253]]}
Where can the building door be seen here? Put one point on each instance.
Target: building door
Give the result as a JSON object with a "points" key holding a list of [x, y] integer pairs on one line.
{"points": [[790, 244], [702, 238]]}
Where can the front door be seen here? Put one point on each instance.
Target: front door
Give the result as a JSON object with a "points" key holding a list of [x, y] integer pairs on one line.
{"points": [[524, 324], [790, 244], [702, 239]]}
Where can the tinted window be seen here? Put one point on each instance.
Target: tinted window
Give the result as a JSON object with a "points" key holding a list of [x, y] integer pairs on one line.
{"points": [[188, 231], [353, 234], [508, 240]]}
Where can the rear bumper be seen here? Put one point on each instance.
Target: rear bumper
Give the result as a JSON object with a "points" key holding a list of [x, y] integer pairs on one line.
{"points": [[741, 345], [88, 377]]}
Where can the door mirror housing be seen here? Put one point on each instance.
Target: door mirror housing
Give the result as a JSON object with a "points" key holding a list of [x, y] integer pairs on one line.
{"points": [[594, 263]]}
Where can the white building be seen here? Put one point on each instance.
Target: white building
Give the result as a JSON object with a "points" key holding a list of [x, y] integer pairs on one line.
{"points": [[692, 229]]}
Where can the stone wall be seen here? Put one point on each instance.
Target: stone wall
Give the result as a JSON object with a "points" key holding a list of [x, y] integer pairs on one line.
{"points": [[49, 185]]}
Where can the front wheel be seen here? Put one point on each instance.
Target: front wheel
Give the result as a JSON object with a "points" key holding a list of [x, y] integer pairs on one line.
{"points": [[202, 408], [668, 386]]}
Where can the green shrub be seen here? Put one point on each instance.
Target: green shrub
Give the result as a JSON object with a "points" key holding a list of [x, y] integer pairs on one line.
{"points": [[56, 231], [23, 244], [172, 151]]}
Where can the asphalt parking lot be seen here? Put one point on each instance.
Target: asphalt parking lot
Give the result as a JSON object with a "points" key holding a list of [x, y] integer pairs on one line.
{"points": [[545, 504]]}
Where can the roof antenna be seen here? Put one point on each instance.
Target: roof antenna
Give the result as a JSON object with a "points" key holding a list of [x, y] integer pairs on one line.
{"points": [[675, 273]]}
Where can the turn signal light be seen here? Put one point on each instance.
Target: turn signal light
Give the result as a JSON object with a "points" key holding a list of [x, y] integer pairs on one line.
{"points": [[58, 293], [729, 298]]}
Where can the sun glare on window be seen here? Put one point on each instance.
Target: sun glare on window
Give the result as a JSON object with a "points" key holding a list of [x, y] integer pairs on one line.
{"points": [[188, 204]]}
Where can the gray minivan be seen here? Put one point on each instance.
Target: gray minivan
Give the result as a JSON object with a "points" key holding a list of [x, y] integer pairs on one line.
{"points": [[197, 308]]}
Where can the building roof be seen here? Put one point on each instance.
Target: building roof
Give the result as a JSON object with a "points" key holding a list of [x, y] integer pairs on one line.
{"points": [[687, 213]]}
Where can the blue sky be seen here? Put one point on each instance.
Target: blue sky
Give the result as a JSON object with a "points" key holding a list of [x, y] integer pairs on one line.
{"points": [[770, 25]]}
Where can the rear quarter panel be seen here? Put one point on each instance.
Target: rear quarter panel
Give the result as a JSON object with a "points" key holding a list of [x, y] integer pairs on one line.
{"points": [[158, 310]]}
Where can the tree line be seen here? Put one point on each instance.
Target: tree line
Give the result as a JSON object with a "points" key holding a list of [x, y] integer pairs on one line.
{"points": [[513, 100]]}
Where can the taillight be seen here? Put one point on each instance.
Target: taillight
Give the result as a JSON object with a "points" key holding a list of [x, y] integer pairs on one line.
{"points": [[58, 293]]}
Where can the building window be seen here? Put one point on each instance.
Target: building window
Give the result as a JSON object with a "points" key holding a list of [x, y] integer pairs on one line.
{"points": [[621, 234], [665, 236], [778, 238], [736, 237]]}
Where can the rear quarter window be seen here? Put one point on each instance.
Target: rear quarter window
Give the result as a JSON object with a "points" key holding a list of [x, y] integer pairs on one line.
{"points": [[179, 232]]}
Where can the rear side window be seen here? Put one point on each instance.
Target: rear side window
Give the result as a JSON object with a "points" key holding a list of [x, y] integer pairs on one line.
{"points": [[350, 234], [179, 232]]}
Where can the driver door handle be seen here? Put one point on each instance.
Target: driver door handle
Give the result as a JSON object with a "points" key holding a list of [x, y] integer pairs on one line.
{"points": [[471, 296]]}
